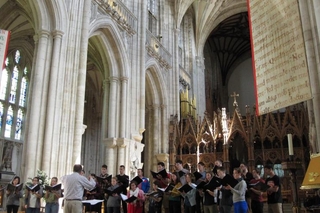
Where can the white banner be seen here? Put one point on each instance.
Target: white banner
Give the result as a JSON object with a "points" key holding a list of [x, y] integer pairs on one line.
{"points": [[278, 53]]}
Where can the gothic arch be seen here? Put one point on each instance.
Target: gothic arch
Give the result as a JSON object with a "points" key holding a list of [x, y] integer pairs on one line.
{"points": [[215, 20], [49, 17], [155, 136], [113, 44]]}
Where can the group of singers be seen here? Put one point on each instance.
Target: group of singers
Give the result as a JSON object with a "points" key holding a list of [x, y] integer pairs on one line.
{"points": [[202, 191]]}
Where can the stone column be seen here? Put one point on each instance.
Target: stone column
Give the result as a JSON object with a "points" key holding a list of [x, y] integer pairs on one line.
{"points": [[164, 130], [142, 51], [123, 112], [122, 157], [110, 146], [51, 137], [174, 90], [112, 107], [310, 42], [156, 132], [81, 81], [31, 147]]}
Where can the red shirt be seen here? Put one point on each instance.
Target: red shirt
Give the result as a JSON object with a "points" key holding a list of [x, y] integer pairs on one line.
{"points": [[253, 195]]}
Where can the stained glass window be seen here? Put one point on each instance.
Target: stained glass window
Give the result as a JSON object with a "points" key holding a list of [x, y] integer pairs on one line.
{"points": [[13, 96]]}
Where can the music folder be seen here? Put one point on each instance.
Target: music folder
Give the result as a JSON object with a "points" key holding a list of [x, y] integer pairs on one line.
{"points": [[34, 188], [12, 187], [163, 173], [126, 199], [103, 179], [229, 180], [186, 188], [197, 175], [167, 189], [259, 186], [117, 190], [53, 188]]}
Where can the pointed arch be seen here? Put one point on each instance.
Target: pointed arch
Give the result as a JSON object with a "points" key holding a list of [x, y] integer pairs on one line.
{"points": [[107, 30]]}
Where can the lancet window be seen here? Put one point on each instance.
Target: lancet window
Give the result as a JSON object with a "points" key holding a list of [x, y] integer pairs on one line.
{"points": [[13, 96]]}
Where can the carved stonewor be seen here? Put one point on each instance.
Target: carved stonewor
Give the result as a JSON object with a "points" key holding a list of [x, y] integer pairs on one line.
{"points": [[254, 140], [7, 156]]}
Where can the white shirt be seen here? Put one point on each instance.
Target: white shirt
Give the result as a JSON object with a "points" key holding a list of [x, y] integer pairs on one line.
{"points": [[74, 185]]}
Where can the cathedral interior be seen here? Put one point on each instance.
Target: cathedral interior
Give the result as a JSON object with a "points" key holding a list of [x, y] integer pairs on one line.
{"points": [[133, 83]]}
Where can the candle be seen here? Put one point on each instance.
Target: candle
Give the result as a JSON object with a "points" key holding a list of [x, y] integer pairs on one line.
{"points": [[290, 145]]}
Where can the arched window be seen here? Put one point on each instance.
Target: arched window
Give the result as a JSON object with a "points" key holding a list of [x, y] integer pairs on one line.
{"points": [[13, 96]]}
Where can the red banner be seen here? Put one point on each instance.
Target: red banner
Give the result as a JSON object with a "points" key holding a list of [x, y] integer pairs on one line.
{"points": [[278, 54]]}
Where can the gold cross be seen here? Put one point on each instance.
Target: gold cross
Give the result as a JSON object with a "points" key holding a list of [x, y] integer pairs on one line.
{"points": [[235, 95]]}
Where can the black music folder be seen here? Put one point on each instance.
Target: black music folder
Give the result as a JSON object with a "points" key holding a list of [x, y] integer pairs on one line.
{"points": [[34, 188], [229, 180], [117, 190], [163, 173], [103, 179], [53, 188], [126, 199], [13, 188]]}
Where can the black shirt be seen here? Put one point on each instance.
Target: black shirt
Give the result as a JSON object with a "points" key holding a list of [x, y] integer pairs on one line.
{"points": [[274, 197]]}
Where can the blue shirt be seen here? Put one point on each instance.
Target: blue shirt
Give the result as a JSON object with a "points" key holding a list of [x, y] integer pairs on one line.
{"points": [[144, 185]]}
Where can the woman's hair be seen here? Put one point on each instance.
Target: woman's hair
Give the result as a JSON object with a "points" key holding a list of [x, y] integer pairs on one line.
{"points": [[16, 177], [55, 178], [178, 177], [191, 177]]}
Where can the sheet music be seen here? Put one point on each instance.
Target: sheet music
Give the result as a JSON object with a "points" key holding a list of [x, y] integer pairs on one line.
{"points": [[92, 202]]}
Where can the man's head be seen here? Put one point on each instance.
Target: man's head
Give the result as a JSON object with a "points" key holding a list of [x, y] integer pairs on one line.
{"points": [[160, 166], [122, 169], [201, 166], [218, 163], [221, 172], [104, 169], [268, 169], [140, 173], [77, 168], [178, 165]]}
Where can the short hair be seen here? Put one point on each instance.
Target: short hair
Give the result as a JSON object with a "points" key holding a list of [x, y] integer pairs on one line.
{"points": [[179, 161], [218, 161], [77, 168], [238, 170], [140, 170], [268, 166], [115, 178], [104, 166], [201, 163], [161, 164], [122, 166], [257, 170], [222, 169], [55, 178]]}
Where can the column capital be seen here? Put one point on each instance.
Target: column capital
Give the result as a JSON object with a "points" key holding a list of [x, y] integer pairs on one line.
{"points": [[110, 142], [124, 79], [122, 142], [113, 79], [57, 34]]}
